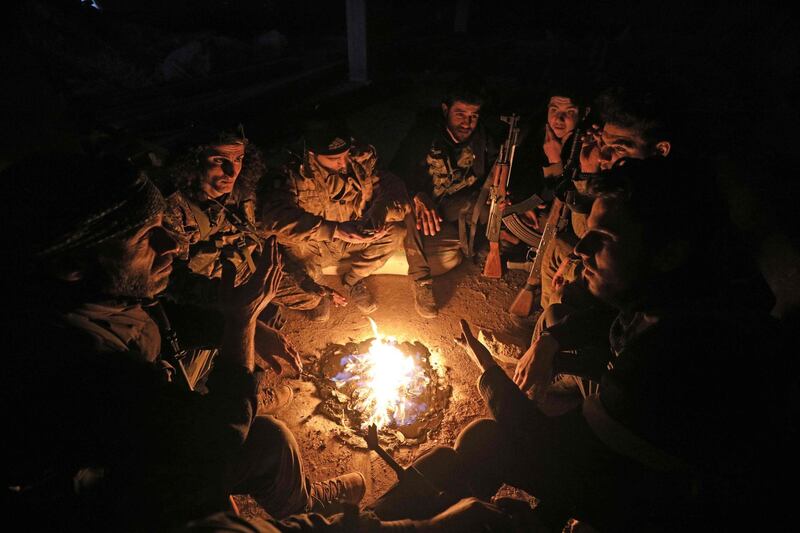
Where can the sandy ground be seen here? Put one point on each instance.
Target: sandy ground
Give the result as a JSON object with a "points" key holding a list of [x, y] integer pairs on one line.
{"points": [[461, 293]]}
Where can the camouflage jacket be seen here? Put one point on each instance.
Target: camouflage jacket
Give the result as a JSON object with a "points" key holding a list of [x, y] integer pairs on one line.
{"points": [[312, 200], [208, 229], [429, 161]]}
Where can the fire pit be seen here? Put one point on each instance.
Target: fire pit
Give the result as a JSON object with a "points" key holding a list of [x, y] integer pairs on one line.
{"points": [[381, 381]]}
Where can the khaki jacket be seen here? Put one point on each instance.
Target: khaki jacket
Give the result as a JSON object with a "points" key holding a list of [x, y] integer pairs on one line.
{"points": [[313, 200], [210, 229]]}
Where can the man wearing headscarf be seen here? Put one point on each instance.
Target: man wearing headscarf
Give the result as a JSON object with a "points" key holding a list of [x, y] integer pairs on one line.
{"points": [[108, 433]]}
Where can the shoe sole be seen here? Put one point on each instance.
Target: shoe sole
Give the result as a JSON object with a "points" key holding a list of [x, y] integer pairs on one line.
{"points": [[431, 314]]}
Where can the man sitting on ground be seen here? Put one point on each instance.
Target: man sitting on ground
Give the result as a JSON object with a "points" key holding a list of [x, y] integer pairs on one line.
{"points": [[634, 125], [213, 205], [336, 206], [663, 446], [444, 161], [125, 443], [213, 209]]}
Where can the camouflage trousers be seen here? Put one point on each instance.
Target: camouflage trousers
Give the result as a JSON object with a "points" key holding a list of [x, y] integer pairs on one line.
{"points": [[363, 259], [292, 295]]}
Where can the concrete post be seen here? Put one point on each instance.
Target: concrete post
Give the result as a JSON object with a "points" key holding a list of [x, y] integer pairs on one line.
{"points": [[357, 40]]}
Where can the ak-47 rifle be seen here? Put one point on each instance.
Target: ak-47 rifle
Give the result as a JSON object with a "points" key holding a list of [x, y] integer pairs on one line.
{"points": [[523, 303], [501, 173], [514, 223]]}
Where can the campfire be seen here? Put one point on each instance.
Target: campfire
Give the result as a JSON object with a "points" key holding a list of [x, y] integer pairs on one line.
{"points": [[384, 382]]}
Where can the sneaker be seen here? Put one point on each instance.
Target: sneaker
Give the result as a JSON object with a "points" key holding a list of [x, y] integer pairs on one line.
{"points": [[424, 301], [274, 398], [362, 298], [329, 496], [322, 312]]}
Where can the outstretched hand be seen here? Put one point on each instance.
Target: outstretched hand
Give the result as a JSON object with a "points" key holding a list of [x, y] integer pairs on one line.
{"points": [[271, 345], [338, 299], [532, 217], [428, 220], [249, 299], [479, 353]]}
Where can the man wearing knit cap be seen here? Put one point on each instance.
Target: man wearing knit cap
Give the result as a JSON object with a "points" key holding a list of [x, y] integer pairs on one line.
{"points": [[108, 431], [337, 206]]}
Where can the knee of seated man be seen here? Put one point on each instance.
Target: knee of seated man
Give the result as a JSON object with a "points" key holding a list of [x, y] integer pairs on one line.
{"points": [[397, 230], [445, 262], [442, 467], [395, 233], [479, 438], [442, 460], [272, 435]]}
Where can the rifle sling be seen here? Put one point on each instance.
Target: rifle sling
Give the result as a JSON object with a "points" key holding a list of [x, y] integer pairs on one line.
{"points": [[476, 214]]}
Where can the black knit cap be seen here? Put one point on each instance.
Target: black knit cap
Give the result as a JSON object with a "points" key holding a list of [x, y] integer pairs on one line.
{"points": [[327, 137], [212, 134], [70, 202]]}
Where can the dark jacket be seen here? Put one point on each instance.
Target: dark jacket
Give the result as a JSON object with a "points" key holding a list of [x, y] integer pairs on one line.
{"points": [[100, 434], [429, 161], [691, 390]]}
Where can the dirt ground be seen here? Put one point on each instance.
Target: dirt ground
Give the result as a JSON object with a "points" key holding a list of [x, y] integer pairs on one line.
{"points": [[461, 293]]}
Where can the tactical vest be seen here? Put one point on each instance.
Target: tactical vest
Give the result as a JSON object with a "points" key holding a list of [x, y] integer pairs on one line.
{"points": [[448, 177], [333, 197], [213, 229]]}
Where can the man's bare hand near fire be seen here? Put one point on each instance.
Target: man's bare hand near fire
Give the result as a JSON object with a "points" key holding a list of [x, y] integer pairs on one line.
{"points": [[479, 353], [535, 368]]}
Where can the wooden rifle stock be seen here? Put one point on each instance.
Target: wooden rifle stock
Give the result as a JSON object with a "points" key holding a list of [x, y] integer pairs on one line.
{"points": [[499, 177], [523, 303], [493, 268]]}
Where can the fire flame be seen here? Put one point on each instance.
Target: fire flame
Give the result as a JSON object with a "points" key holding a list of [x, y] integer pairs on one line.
{"points": [[388, 382]]}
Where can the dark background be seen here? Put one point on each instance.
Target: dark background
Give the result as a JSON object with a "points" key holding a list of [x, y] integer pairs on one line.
{"points": [[80, 76]]}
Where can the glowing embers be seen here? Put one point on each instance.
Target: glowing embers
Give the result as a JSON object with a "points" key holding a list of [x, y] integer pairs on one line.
{"points": [[384, 382]]}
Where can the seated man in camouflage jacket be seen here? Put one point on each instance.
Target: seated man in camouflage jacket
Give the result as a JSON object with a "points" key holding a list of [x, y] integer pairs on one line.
{"points": [[130, 444], [213, 208], [336, 206], [444, 161]]}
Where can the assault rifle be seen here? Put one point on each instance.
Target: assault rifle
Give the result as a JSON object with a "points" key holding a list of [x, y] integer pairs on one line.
{"points": [[514, 222], [523, 303], [501, 173]]}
